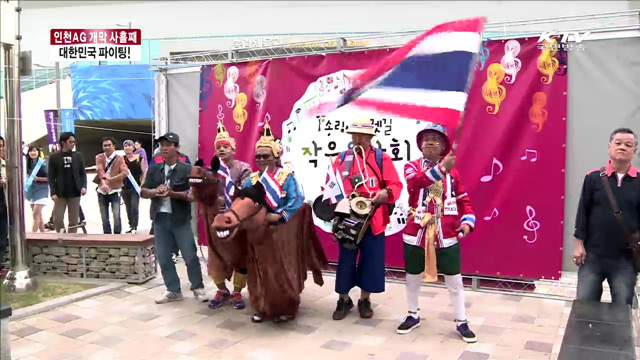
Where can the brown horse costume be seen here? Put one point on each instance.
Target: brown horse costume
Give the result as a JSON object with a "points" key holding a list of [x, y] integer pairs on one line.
{"points": [[278, 256], [223, 256]]}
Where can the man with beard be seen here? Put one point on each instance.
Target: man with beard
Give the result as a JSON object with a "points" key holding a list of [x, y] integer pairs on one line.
{"points": [[238, 172], [440, 214]]}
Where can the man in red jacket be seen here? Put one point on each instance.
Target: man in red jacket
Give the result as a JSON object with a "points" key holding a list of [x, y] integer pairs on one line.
{"points": [[440, 215], [369, 172]]}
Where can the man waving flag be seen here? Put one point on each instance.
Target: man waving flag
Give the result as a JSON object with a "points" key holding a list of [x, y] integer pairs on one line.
{"points": [[427, 79]]}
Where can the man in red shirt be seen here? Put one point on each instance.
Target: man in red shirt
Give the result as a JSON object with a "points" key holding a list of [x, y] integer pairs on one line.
{"points": [[440, 215], [371, 173]]}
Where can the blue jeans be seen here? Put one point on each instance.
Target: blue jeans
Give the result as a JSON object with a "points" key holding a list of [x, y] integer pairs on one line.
{"points": [[114, 201], [369, 271], [168, 236], [618, 272]]}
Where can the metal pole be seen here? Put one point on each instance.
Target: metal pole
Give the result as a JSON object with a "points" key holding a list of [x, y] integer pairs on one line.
{"points": [[19, 278], [130, 62], [57, 79]]}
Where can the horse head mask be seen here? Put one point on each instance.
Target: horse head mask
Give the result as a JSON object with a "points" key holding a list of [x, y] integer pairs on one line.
{"points": [[205, 182], [248, 211]]}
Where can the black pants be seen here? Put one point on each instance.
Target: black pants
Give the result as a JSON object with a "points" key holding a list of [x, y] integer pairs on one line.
{"points": [[132, 204]]}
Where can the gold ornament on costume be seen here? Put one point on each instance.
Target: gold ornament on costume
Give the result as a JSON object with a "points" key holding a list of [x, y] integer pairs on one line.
{"points": [[267, 140], [429, 223], [492, 91], [537, 113], [547, 63], [240, 115], [223, 136], [436, 190]]}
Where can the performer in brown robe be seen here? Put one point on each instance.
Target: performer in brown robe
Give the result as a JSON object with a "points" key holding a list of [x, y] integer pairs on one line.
{"points": [[280, 234]]}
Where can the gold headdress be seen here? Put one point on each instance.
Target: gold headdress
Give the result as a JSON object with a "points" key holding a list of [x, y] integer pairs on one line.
{"points": [[223, 137], [267, 140]]}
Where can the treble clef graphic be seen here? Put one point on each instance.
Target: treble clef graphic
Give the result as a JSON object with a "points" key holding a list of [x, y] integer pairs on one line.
{"points": [[510, 62], [220, 114], [531, 225], [492, 91]]}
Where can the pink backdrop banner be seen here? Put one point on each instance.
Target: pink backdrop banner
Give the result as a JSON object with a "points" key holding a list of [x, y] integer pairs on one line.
{"points": [[511, 155]]}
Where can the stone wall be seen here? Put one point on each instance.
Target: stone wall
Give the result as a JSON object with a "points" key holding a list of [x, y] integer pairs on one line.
{"points": [[133, 264]]}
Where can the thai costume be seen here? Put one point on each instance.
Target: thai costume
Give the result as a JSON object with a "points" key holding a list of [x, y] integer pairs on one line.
{"points": [[228, 259], [439, 205], [281, 254]]}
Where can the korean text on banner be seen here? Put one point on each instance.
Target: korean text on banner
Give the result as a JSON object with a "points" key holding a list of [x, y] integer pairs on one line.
{"points": [[95, 45], [518, 92], [51, 118]]}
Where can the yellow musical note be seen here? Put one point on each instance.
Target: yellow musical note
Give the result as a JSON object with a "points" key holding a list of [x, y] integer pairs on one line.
{"points": [[492, 91], [219, 74], [537, 113], [240, 115], [547, 63]]}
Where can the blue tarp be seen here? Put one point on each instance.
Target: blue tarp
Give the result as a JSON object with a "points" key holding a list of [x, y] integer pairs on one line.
{"points": [[113, 92]]}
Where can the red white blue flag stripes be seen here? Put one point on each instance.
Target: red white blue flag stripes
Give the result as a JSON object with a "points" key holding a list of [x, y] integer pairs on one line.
{"points": [[427, 79]]}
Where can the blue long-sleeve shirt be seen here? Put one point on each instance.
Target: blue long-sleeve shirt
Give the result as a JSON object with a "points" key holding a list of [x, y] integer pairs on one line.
{"points": [[292, 195]]}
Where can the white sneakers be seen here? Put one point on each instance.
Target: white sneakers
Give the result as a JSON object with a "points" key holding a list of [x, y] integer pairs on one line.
{"points": [[200, 295], [168, 296]]}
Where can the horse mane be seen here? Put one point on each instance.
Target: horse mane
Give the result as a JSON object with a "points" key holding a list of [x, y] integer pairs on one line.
{"points": [[255, 193]]}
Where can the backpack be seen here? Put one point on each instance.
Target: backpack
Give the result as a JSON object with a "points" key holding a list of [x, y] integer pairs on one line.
{"points": [[379, 162]]}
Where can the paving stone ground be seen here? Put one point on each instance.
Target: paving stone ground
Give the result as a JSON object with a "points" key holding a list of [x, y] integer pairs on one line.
{"points": [[127, 324]]}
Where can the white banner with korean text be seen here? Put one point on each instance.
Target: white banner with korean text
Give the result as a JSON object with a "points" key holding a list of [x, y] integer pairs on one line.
{"points": [[310, 144]]}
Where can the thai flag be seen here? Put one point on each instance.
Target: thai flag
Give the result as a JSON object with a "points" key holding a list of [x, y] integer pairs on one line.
{"points": [[229, 187], [427, 79], [272, 189]]}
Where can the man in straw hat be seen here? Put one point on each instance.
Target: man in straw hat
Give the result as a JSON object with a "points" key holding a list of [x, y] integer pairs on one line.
{"points": [[369, 172], [239, 172], [440, 215]]}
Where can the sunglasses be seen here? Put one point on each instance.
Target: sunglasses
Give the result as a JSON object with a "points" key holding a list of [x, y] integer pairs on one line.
{"points": [[263, 157]]}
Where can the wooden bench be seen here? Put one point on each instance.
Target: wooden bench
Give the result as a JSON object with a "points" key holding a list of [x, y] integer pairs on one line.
{"points": [[127, 257], [598, 331]]}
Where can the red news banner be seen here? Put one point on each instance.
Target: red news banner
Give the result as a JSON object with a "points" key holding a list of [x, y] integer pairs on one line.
{"points": [[96, 44]]}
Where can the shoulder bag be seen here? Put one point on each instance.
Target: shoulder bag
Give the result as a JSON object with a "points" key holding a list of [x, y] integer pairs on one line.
{"points": [[632, 239]]}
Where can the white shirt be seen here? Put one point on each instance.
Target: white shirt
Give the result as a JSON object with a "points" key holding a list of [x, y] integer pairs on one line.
{"points": [[109, 158], [165, 206]]}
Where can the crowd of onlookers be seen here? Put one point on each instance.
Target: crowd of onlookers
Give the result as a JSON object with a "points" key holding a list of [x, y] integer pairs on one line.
{"points": [[62, 178]]}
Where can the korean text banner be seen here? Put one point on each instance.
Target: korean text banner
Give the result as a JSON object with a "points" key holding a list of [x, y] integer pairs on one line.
{"points": [[511, 154]]}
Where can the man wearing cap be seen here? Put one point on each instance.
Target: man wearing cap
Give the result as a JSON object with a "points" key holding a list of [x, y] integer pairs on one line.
{"points": [[167, 185], [440, 215], [240, 172], [369, 172]]}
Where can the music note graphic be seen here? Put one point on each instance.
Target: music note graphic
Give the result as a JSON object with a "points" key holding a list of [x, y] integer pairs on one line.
{"points": [[488, 178], [534, 157], [531, 225], [290, 125], [494, 214]]}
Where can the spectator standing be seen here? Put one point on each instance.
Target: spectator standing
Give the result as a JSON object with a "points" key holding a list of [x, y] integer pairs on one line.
{"points": [[67, 182]]}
